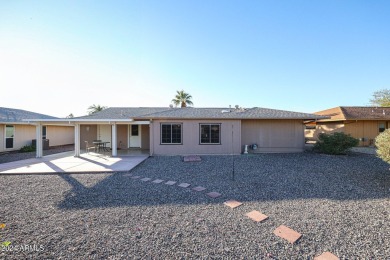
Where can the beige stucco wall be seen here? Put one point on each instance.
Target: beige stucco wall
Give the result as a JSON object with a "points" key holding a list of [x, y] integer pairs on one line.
{"points": [[145, 137], [122, 136], [59, 135], [274, 136], [367, 129], [87, 133], [190, 138]]}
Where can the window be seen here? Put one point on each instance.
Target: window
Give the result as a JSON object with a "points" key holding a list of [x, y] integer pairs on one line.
{"points": [[210, 133], [134, 130], [9, 136], [43, 132], [171, 133], [382, 127]]}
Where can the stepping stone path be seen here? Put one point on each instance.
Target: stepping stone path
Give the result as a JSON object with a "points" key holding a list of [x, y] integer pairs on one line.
{"points": [[232, 203], [326, 256], [170, 183], [282, 231], [287, 233], [213, 194], [192, 158], [257, 216], [199, 188]]}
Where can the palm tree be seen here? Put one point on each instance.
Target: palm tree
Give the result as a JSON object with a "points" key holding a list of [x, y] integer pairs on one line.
{"points": [[95, 108], [182, 98]]}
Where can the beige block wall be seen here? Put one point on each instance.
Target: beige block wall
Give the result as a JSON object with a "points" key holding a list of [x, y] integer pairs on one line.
{"points": [[59, 135], [274, 136], [190, 138], [328, 127], [23, 136]]}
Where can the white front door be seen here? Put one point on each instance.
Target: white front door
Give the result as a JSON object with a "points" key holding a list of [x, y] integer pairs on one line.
{"points": [[135, 136], [104, 134]]}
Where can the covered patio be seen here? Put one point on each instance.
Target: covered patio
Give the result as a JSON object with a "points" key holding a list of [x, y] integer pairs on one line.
{"points": [[119, 137]]}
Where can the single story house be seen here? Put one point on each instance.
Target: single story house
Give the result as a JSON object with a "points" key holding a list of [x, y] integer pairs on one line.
{"points": [[190, 130], [363, 123], [16, 131]]}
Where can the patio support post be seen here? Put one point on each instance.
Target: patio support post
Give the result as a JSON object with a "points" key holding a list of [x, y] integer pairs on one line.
{"points": [[77, 140], [114, 140], [38, 137]]}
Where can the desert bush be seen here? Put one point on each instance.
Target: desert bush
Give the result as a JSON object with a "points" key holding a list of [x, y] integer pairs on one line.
{"points": [[382, 143], [27, 148], [335, 143]]}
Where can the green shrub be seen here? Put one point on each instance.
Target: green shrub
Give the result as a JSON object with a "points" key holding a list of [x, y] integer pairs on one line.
{"points": [[335, 143], [382, 143], [27, 148]]}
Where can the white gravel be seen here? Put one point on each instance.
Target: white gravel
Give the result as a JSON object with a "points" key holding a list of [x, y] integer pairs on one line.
{"points": [[339, 203]]}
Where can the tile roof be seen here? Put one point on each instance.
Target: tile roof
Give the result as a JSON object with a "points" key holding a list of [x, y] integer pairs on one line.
{"points": [[196, 113], [8, 115], [356, 113]]}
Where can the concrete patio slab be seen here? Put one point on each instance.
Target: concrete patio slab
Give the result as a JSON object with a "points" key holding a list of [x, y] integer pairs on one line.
{"points": [[232, 203], [326, 256], [287, 233], [257, 216], [66, 162]]}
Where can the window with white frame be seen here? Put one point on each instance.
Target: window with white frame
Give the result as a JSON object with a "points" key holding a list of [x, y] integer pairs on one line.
{"points": [[171, 133], [210, 133], [44, 132]]}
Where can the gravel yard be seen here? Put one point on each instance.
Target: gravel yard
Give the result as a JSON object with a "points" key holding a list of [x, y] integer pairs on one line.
{"points": [[338, 203]]}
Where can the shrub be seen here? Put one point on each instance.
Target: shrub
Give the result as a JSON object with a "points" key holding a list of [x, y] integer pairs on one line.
{"points": [[335, 143], [382, 143], [27, 148]]}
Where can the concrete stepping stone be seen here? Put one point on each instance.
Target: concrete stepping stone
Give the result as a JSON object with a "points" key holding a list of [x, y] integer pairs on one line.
{"points": [[170, 183], [127, 174], [199, 188], [257, 216], [184, 185], [146, 179], [287, 233], [326, 256], [213, 194], [232, 203], [157, 181], [136, 177]]}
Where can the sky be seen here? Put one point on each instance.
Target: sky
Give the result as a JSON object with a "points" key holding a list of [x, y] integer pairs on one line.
{"points": [[60, 57]]}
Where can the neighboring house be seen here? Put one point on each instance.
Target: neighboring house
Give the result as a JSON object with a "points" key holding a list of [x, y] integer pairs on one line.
{"points": [[16, 132], [364, 123], [183, 131]]}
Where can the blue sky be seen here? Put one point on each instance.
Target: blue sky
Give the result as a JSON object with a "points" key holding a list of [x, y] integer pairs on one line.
{"points": [[59, 57]]}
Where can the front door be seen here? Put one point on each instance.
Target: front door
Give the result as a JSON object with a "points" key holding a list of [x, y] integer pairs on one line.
{"points": [[135, 136]]}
